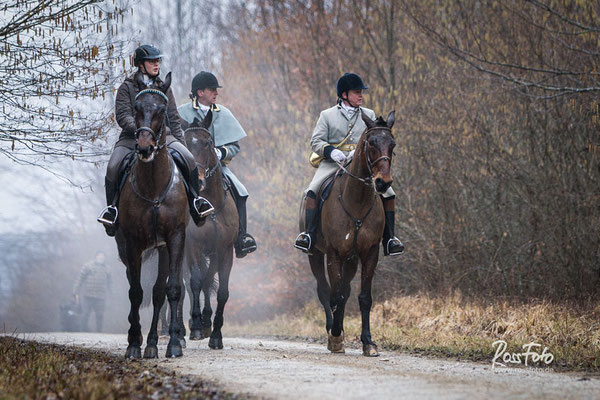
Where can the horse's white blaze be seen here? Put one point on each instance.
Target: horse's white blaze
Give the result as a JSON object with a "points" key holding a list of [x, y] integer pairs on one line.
{"points": [[347, 236]]}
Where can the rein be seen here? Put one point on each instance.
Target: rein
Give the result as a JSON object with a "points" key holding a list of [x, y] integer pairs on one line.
{"points": [[369, 179], [156, 203], [208, 173]]}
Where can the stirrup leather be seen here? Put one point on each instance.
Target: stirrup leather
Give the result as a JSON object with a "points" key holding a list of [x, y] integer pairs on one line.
{"points": [[199, 202], [393, 240], [300, 236], [105, 221]]}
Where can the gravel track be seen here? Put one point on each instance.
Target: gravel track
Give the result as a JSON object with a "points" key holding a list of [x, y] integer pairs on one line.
{"points": [[284, 369]]}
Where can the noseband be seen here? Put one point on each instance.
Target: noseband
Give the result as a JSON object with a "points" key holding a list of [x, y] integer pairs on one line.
{"points": [[208, 171], [155, 136]]}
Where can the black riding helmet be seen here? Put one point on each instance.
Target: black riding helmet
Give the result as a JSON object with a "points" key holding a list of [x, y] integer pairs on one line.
{"points": [[204, 80], [145, 52], [349, 81]]}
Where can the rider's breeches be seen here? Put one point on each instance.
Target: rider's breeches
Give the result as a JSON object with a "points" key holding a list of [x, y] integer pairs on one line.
{"points": [[122, 148], [327, 168]]}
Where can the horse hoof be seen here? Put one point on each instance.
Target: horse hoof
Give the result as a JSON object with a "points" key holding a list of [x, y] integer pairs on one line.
{"points": [[370, 350], [215, 343], [196, 334], [182, 343], [174, 351], [133, 352], [206, 331], [335, 344], [151, 352]]}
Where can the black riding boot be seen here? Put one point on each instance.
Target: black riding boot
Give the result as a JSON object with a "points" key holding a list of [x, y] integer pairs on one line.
{"points": [[245, 243], [392, 246], [306, 239], [200, 207], [108, 216]]}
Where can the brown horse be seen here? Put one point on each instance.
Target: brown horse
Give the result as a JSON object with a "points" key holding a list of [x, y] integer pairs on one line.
{"points": [[153, 214], [209, 248], [352, 222]]}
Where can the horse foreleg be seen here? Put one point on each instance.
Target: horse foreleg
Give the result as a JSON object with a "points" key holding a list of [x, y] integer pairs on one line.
{"points": [[134, 336], [369, 263], [196, 287], [340, 275], [175, 246], [209, 278], [158, 300], [226, 261], [317, 266]]}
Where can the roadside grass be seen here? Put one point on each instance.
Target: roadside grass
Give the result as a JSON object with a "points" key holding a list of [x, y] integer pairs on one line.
{"points": [[453, 326], [32, 370]]}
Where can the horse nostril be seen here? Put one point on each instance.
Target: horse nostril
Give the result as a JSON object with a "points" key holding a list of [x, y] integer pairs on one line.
{"points": [[382, 185]]}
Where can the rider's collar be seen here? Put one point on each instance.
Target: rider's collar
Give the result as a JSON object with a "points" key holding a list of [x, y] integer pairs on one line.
{"points": [[196, 105], [349, 110], [148, 81]]}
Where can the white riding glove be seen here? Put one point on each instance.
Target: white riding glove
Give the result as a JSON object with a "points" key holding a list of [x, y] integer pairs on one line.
{"points": [[337, 156], [218, 153], [350, 155]]}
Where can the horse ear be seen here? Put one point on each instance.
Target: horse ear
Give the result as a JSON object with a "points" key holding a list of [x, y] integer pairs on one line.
{"points": [[208, 119], [368, 121], [196, 122], [391, 119], [166, 84]]}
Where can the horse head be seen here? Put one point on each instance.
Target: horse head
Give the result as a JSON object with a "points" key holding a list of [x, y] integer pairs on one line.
{"points": [[200, 143], [150, 115], [378, 149]]}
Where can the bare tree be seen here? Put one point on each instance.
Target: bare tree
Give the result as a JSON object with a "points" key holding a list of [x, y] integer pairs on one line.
{"points": [[56, 64]]}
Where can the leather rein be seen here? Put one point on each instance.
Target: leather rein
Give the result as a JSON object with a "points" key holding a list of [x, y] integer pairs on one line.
{"points": [[368, 181]]}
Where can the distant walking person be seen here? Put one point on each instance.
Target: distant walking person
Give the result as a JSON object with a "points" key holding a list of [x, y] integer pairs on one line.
{"points": [[93, 283]]}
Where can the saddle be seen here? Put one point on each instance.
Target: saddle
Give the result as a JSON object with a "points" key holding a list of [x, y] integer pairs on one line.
{"points": [[325, 188]]}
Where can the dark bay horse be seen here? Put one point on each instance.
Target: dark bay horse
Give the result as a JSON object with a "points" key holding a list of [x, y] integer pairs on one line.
{"points": [[153, 214], [209, 248], [352, 222]]}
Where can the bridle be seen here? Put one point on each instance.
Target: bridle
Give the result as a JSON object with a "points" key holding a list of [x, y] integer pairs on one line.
{"points": [[369, 179], [208, 171], [156, 136]]}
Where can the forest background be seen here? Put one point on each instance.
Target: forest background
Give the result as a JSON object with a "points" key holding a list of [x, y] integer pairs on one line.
{"points": [[496, 165]]}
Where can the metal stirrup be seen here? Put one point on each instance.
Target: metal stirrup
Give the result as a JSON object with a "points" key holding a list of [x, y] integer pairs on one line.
{"points": [[303, 234], [105, 221], [206, 213], [388, 246]]}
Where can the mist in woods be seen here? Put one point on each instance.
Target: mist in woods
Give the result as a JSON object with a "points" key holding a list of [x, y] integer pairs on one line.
{"points": [[496, 164]]}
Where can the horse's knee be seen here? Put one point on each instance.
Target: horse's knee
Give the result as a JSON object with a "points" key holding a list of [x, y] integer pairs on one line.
{"points": [[365, 301]]}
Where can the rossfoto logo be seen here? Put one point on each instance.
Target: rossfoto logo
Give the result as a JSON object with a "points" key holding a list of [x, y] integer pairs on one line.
{"points": [[529, 356]]}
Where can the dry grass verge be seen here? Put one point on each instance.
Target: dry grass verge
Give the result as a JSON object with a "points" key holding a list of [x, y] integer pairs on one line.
{"points": [[455, 327], [31, 370]]}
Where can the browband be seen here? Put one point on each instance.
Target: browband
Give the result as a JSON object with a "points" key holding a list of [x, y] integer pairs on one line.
{"points": [[155, 91]]}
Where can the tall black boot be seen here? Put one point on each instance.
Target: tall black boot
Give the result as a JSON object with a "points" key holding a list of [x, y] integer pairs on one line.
{"points": [[392, 246], [306, 239], [200, 207], [108, 216], [245, 243]]}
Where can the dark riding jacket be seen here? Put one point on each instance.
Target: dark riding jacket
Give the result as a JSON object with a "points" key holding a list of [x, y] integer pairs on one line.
{"points": [[125, 111]]}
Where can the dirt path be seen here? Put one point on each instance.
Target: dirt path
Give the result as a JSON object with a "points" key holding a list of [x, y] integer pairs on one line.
{"points": [[280, 369]]}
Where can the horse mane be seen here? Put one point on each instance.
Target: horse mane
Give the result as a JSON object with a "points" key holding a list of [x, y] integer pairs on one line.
{"points": [[380, 122]]}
